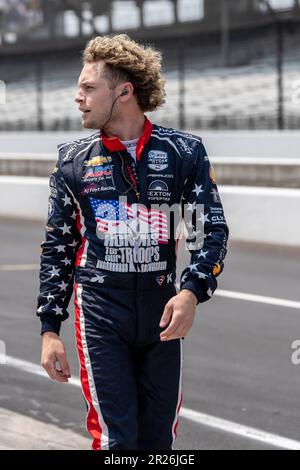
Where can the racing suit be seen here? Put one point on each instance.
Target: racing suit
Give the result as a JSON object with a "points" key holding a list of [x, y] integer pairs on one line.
{"points": [[97, 233]]}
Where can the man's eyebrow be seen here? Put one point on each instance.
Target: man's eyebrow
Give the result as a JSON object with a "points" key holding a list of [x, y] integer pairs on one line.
{"points": [[87, 82]]}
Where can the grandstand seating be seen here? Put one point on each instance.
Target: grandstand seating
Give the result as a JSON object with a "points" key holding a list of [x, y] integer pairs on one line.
{"points": [[239, 96]]}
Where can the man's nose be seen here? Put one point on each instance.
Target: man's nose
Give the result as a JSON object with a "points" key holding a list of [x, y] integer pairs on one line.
{"points": [[78, 97]]}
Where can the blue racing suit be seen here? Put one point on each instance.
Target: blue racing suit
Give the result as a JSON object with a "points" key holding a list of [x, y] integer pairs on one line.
{"points": [[110, 240]]}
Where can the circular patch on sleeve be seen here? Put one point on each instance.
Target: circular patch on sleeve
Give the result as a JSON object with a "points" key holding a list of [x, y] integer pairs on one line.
{"points": [[50, 208], [212, 175], [216, 269]]}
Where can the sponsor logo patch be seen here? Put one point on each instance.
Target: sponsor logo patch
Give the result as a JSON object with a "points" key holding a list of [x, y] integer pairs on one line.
{"points": [[215, 195], [53, 189], [154, 175], [212, 175], [99, 160], [160, 280], [52, 181], [70, 151], [98, 171], [93, 188], [53, 192], [158, 190], [158, 185], [184, 146], [157, 160], [217, 268], [50, 208]]}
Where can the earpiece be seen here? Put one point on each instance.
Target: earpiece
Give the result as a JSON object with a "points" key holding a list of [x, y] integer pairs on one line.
{"points": [[125, 91]]}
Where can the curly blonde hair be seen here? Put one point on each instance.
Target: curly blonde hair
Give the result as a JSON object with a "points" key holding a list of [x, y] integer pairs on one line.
{"points": [[126, 60]]}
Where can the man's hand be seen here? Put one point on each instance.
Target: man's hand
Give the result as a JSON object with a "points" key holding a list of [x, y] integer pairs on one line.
{"points": [[179, 313], [53, 350]]}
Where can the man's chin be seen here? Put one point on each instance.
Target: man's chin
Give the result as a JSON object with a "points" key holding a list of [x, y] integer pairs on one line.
{"points": [[89, 125]]}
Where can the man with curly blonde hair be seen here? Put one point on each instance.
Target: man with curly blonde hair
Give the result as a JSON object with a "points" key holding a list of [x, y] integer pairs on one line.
{"points": [[109, 228]]}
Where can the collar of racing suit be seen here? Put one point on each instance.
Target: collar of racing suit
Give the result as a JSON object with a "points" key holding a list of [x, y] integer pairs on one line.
{"points": [[113, 144]]}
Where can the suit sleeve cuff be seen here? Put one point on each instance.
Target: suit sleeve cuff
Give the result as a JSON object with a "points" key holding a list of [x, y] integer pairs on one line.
{"points": [[50, 324], [198, 288]]}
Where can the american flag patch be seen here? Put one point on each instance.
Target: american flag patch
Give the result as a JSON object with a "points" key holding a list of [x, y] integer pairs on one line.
{"points": [[118, 217]]}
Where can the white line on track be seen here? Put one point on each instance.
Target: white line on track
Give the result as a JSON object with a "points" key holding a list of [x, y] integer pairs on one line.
{"points": [[19, 267], [194, 416], [258, 298], [240, 430], [255, 298], [35, 369]]}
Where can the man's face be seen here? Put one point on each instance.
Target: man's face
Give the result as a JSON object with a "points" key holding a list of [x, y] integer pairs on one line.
{"points": [[94, 96]]}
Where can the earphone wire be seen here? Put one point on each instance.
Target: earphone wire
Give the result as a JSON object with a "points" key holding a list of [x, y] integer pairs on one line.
{"points": [[111, 111]]}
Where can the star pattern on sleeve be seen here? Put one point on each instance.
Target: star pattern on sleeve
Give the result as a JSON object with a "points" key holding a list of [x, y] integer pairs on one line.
{"points": [[200, 200], [201, 275], [66, 229], [57, 310], [204, 218], [198, 189], [63, 286], [67, 201], [193, 267], [59, 251], [209, 292], [54, 272], [202, 254], [60, 248], [191, 206], [98, 278], [195, 234]]}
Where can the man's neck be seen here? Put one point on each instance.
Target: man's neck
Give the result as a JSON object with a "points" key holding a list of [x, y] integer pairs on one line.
{"points": [[129, 129]]}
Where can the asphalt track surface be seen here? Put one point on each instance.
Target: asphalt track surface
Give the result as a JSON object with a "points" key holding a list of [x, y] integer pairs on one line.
{"points": [[237, 356]]}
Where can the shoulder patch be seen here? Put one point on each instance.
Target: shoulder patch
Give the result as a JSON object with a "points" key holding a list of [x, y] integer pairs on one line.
{"points": [[176, 133], [70, 150], [212, 175], [185, 144]]}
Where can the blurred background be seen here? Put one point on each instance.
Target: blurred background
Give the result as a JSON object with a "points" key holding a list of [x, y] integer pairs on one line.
{"points": [[230, 64], [233, 77]]}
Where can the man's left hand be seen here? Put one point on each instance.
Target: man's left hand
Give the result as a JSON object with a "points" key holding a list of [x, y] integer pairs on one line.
{"points": [[179, 315]]}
